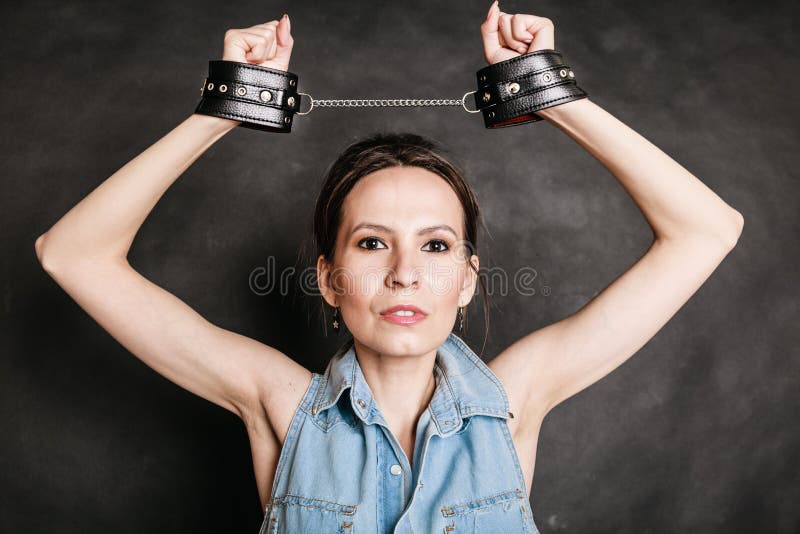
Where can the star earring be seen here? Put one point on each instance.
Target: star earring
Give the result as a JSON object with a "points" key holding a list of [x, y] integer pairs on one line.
{"points": [[336, 319]]}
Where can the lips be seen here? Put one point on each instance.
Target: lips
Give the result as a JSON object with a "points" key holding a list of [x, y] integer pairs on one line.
{"points": [[403, 307], [416, 317]]}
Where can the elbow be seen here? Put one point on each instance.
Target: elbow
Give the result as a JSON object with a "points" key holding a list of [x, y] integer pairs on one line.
{"points": [[39, 247], [738, 226]]}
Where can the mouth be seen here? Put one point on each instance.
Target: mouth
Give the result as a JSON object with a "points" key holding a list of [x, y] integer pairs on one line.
{"points": [[404, 314]]}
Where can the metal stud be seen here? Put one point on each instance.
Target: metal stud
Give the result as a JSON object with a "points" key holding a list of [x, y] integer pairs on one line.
{"points": [[210, 85], [290, 101], [571, 74], [491, 114], [241, 91], [483, 77], [486, 97], [223, 88], [265, 96], [287, 120], [563, 73], [291, 82], [513, 88], [547, 76]]}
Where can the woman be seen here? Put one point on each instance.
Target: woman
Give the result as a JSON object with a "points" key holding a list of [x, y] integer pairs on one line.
{"points": [[407, 430]]}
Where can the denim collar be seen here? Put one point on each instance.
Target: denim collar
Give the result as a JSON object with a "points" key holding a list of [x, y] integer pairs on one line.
{"points": [[465, 386]]}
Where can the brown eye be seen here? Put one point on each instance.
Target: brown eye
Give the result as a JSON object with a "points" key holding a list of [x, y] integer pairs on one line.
{"points": [[439, 244], [371, 241]]}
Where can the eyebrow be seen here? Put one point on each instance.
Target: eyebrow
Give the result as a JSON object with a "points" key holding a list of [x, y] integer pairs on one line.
{"points": [[421, 231]]}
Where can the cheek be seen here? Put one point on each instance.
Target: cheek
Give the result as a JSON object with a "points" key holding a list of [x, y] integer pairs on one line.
{"points": [[445, 279], [358, 280]]}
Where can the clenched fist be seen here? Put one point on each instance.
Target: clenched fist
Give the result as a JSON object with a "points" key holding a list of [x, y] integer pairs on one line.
{"points": [[506, 36], [266, 45]]}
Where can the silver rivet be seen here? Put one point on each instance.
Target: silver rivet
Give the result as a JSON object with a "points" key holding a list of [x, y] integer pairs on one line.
{"points": [[290, 101], [491, 114], [483, 77], [210, 86], [265, 96], [287, 120], [571, 74], [291, 82], [360, 401], [547, 76], [241, 91], [486, 97], [223, 88], [563, 73], [513, 87]]}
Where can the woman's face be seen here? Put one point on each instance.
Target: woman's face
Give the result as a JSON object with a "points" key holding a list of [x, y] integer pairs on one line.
{"points": [[400, 241]]}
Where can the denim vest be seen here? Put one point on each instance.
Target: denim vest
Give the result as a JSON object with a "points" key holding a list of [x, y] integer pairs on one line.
{"points": [[341, 469]]}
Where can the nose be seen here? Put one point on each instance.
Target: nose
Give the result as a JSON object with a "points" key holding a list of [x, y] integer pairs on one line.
{"points": [[403, 270]]}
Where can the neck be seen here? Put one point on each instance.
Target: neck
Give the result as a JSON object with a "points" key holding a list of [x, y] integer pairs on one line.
{"points": [[402, 385]]}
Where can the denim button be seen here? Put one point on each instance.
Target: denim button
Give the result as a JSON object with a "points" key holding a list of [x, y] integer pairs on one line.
{"points": [[396, 469]]}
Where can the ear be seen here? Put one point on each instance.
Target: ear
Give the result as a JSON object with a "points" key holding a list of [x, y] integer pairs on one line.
{"points": [[470, 282], [323, 281]]}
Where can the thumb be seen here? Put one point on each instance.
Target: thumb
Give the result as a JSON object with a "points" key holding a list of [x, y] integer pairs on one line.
{"points": [[284, 40], [490, 32]]}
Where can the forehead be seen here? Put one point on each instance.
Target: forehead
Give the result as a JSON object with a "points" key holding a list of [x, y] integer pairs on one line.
{"points": [[402, 197]]}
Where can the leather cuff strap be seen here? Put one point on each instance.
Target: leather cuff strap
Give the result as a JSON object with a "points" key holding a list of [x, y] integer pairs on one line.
{"points": [[260, 98], [509, 92]]}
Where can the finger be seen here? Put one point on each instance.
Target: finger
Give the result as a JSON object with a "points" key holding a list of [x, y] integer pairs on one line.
{"points": [[262, 42], [271, 24], [519, 30], [247, 43], [284, 40], [542, 29], [490, 33], [284, 32], [508, 36]]}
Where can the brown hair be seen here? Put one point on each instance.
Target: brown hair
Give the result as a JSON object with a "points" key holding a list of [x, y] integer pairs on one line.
{"points": [[379, 151]]}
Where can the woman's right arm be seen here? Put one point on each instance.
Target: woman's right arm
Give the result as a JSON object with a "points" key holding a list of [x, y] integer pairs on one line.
{"points": [[85, 252]]}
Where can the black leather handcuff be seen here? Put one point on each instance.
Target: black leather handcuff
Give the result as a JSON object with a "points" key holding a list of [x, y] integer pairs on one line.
{"points": [[509, 93]]}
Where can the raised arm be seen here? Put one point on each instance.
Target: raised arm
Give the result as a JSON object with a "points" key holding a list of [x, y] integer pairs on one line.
{"points": [[85, 252], [693, 230]]}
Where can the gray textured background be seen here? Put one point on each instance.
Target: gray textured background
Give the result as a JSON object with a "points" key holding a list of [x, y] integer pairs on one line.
{"points": [[698, 432]]}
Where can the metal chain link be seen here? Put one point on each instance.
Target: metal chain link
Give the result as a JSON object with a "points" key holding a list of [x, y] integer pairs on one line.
{"points": [[386, 102]]}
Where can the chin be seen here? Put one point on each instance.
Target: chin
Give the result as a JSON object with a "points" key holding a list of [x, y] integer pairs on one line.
{"points": [[403, 340]]}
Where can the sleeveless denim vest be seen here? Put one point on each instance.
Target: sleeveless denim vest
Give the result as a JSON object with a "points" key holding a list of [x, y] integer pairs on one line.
{"points": [[341, 469]]}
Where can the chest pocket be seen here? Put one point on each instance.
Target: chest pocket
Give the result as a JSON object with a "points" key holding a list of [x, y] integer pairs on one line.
{"points": [[302, 515], [502, 512]]}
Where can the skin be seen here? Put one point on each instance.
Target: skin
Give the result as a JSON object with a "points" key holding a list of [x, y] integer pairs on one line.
{"points": [[374, 269]]}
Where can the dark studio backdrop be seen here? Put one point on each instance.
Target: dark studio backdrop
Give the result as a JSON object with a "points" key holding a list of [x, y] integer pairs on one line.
{"points": [[697, 432]]}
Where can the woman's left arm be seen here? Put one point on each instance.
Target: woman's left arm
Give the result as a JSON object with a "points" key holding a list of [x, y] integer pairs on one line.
{"points": [[694, 229]]}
